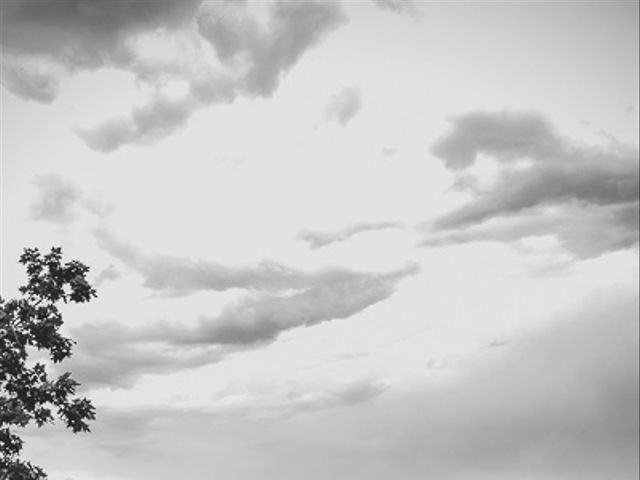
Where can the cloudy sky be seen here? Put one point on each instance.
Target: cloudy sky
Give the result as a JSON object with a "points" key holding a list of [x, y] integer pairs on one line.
{"points": [[370, 239]]}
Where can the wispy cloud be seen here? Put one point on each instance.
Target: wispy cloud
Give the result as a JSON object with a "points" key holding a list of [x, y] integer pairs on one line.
{"points": [[278, 298], [261, 318], [538, 169], [58, 200], [402, 7], [343, 106], [112, 355], [175, 275], [107, 274], [585, 231], [317, 239]]}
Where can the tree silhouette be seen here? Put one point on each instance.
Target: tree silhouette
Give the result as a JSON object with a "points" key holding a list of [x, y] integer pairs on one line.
{"points": [[29, 323]]}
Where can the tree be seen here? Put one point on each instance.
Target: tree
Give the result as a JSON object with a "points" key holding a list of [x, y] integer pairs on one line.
{"points": [[27, 324]]}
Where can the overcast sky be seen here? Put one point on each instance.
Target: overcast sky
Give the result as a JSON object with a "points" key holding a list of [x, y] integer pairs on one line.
{"points": [[362, 240]]}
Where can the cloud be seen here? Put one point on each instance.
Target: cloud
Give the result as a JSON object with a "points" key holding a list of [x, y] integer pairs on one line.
{"points": [[77, 35], [293, 28], [29, 83], [109, 354], [174, 275], [559, 403], [283, 297], [389, 151], [538, 169], [108, 274], [60, 201], [346, 395], [252, 62], [334, 295], [181, 276], [152, 121], [44, 40], [317, 239], [401, 7], [84, 33], [585, 231], [160, 116], [114, 355], [505, 136], [343, 106], [279, 299], [57, 200]]}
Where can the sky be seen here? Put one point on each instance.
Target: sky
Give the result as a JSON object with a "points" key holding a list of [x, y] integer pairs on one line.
{"points": [[332, 240]]}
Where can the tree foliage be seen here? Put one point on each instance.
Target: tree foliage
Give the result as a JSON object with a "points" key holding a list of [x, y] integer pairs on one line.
{"points": [[29, 323]]}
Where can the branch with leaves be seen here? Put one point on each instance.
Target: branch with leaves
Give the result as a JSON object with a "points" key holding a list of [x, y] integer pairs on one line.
{"points": [[27, 393]]}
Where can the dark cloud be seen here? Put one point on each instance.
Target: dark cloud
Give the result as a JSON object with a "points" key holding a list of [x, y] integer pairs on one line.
{"points": [[293, 27], [77, 35], [538, 169], [61, 36], [57, 200], [585, 231], [28, 83], [343, 106], [334, 295], [255, 58], [317, 239], [84, 32], [505, 136]]}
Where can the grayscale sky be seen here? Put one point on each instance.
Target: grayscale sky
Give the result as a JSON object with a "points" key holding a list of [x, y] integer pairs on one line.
{"points": [[334, 240]]}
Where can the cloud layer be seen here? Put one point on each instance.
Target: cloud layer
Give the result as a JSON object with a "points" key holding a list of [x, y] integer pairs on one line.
{"points": [[561, 403]]}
